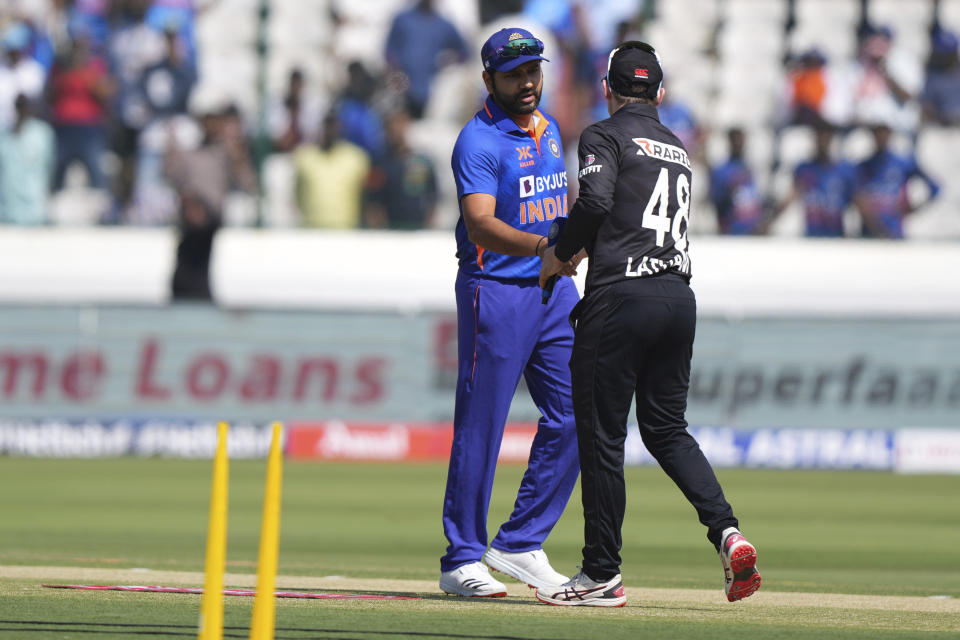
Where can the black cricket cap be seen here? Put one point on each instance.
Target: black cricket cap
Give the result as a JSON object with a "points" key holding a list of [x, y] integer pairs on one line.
{"points": [[633, 68]]}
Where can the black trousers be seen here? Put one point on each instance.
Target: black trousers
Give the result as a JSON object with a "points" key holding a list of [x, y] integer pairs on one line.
{"points": [[636, 338], [191, 275]]}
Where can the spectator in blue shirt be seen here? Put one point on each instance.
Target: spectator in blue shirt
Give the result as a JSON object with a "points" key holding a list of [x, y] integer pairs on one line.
{"points": [[825, 186], [360, 123], [678, 117], [180, 15], [734, 192], [134, 47], [419, 44], [166, 85], [91, 18], [881, 188], [941, 89], [40, 47]]}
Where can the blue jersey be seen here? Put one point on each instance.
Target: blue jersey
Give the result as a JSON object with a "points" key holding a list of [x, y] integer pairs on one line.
{"points": [[524, 171], [881, 183], [736, 197], [679, 119], [826, 189]]}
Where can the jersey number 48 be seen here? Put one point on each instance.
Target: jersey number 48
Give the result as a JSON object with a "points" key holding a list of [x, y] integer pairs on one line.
{"points": [[657, 216]]}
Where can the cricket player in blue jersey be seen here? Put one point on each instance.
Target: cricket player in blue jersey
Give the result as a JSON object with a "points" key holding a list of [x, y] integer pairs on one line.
{"points": [[511, 184], [734, 191], [881, 188], [824, 186]]}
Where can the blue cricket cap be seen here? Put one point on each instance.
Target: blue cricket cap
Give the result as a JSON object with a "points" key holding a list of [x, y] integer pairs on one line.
{"points": [[509, 48], [16, 37], [944, 41]]}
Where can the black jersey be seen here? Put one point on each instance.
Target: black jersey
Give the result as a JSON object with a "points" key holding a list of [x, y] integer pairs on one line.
{"points": [[633, 210]]}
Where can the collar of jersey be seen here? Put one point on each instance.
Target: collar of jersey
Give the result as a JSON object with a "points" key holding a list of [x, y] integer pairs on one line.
{"points": [[641, 108], [505, 123]]}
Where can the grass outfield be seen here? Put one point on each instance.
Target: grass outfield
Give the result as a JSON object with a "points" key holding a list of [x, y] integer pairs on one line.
{"points": [[843, 555]]}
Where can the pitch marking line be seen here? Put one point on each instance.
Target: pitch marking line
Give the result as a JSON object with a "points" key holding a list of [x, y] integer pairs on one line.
{"points": [[340, 583], [228, 592]]}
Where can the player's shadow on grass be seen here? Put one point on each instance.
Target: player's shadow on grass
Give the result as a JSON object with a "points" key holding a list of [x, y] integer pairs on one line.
{"points": [[401, 634], [190, 631], [100, 628], [441, 597]]}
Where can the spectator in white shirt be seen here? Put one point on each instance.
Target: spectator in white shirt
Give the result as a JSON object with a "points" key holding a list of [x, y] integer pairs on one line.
{"points": [[19, 73]]}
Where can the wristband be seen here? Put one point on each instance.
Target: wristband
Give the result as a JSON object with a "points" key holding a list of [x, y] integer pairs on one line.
{"points": [[536, 251]]}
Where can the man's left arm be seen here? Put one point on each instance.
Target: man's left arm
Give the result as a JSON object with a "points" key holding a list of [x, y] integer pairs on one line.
{"points": [[598, 167], [430, 204], [933, 188]]}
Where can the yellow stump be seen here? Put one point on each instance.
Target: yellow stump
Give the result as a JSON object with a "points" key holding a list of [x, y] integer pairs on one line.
{"points": [[264, 617], [211, 608]]}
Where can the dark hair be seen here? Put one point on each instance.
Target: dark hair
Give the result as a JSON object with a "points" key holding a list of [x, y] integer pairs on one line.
{"points": [[643, 90], [823, 126], [647, 94]]}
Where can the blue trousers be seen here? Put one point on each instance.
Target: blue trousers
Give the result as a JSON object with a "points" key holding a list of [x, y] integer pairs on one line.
{"points": [[85, 143], [504, 332]]}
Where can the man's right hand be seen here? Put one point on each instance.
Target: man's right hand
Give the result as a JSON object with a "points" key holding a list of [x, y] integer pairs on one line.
{"points": [[550, 267]]}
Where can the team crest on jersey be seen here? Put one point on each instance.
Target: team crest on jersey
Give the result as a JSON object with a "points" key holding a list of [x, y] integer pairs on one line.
{"points": [[662, 151], [590, 159], [554, 147]]}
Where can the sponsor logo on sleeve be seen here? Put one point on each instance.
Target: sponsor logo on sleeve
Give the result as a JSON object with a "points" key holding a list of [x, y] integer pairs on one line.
{"points": [[590, 168]]}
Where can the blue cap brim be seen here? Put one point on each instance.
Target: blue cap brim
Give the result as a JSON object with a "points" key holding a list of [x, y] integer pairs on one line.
{"points": [[513, 63]]}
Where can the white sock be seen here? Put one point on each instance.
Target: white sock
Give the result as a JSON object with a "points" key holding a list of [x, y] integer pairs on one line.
{"points": [[726, 532]]}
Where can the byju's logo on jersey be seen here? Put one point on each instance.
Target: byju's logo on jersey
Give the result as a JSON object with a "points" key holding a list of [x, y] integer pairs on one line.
{"points": [[532, 185], [527, 186], [662, 151]]}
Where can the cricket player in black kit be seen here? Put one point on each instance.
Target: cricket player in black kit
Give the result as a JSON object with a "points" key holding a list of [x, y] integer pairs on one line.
{"points": [[635, 328]]}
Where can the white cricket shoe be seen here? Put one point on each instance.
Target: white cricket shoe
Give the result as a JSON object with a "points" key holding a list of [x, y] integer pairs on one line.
{"points": [[582, 591], [472, 580], [739, 558], [531, 567]]}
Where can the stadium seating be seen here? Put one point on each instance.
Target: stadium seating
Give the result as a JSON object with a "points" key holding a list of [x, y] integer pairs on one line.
{"points": [[724, 59]]}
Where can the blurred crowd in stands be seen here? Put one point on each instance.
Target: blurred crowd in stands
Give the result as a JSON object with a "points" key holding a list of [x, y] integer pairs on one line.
{"points": [[110, 86]]}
